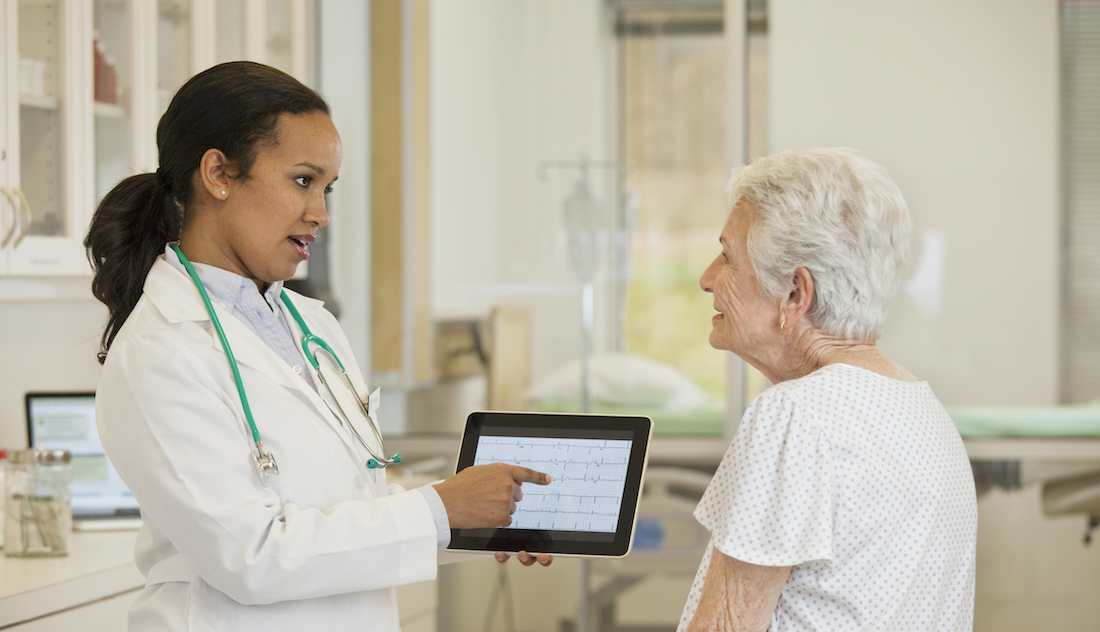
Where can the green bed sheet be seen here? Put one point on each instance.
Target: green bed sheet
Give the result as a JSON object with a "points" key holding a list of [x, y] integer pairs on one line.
{"points": [[973, 422], [704, 421], [1055, 422]]}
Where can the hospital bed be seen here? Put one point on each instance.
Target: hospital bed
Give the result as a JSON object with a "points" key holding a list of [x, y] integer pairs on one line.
{"points": [[667, 541], [1060, 447]]}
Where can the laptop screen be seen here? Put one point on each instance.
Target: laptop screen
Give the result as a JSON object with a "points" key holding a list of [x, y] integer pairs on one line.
{"points": [[66, 421]]}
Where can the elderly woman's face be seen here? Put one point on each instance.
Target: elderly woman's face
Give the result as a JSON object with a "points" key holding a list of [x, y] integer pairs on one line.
{"points": [[745, 319]]}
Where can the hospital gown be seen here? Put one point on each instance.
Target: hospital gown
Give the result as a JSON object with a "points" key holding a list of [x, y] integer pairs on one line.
{"points": [[861, 483]]}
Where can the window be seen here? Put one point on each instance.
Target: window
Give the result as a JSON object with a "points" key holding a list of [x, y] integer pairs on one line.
{"points": [[1080, 380], [673, 130]]}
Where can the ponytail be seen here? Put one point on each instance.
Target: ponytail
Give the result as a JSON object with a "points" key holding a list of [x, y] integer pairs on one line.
{"points": [[128, 231]]}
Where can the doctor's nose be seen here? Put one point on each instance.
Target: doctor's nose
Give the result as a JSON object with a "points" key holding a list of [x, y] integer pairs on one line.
{"points": [[317, 213]]}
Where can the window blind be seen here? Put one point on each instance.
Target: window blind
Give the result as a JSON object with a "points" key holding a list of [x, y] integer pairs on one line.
{"points": [[1080, 379]]}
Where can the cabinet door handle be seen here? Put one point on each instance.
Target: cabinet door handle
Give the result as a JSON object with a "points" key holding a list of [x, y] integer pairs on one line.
{"points": [[14, 216], [24, 206]]}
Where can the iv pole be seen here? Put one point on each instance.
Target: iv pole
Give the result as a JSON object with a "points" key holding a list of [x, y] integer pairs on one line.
{"points": [[583, 222], [583, 215]]}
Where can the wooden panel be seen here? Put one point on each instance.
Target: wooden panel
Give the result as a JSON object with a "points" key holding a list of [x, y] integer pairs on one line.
{"points": [[422, 315], [401, 319], [509, 358], [387, 239]]}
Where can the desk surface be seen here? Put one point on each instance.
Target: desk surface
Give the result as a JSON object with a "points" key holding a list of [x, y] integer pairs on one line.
{"points": [[101, 565]]}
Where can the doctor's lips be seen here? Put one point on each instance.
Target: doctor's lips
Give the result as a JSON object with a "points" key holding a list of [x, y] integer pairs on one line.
{"points": [[301, 243]]}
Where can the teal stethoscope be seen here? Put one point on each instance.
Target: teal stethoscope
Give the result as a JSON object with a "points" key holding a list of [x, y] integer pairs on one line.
{"points": [[265, 461]]}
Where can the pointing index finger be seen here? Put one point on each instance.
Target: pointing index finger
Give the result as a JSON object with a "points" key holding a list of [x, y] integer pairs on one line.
{"points": [[527, 475]]}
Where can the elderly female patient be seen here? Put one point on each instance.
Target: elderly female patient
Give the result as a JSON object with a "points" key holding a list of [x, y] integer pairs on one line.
{"points": [[846, 500]]}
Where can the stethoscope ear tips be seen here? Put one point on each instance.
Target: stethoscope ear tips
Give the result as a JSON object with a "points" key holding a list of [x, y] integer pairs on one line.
{"points": [[397, 458], [372, 463]]}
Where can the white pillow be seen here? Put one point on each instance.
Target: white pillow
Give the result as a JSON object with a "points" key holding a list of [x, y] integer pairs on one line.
{"points": [[623, 379]]}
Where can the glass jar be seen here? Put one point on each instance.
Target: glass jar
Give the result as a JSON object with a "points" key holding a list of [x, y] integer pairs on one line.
{"points": [[38, 516]]}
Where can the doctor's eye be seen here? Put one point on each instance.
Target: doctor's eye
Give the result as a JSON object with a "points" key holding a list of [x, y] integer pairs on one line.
{"points": [[328, 189], [303, 181]]}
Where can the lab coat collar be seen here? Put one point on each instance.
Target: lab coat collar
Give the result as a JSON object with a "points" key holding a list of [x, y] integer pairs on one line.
{"points": [[176, 298]]}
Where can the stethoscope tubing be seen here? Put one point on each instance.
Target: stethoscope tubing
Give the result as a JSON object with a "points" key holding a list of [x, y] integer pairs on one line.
{"points": [[265, 461]]}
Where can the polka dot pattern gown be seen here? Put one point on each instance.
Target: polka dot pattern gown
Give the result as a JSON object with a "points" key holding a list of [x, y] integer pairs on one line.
{"points": [[861, 483]]}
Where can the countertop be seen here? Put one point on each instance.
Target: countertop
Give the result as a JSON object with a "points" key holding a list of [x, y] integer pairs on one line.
{"points": [[100, 566]]}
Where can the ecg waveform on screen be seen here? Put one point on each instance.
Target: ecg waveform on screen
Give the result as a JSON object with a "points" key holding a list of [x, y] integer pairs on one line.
{"points": [[588, 480]]}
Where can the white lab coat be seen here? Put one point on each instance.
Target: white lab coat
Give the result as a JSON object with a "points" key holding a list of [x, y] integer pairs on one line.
{"points": [[322, 547]]}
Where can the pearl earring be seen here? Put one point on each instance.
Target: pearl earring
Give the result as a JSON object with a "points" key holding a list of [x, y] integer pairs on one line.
{"points": [[223, 193]]}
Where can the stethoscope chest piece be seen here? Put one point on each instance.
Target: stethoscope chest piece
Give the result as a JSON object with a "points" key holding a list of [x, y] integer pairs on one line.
{"points": [[266, 464]]}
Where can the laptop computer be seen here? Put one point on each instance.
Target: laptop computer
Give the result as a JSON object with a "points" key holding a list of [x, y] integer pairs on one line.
{"points": [[66, 421]]}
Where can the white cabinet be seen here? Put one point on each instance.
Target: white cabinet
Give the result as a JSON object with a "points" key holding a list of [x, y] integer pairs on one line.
{"points": [[47, 162], [84, 84]]}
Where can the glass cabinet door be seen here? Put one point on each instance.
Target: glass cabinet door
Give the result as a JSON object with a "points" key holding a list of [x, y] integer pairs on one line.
{"points": [[39, 183], [277, 37], [174, 49], [113, 78], [230, 31], [52, 179], [271, 32], [9, 107]]}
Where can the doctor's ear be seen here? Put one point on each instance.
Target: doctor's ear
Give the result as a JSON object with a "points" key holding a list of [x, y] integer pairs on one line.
{"points": [[214, 173]]}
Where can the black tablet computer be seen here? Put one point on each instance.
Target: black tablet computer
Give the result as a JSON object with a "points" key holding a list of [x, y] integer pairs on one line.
{"points": [[596, 462]]}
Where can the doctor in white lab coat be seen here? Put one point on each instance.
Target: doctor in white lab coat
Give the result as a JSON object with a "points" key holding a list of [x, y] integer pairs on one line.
{"points": [[246, 157]]}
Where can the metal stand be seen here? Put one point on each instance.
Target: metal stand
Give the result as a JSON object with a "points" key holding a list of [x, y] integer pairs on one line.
{"points": [[584, 221]]}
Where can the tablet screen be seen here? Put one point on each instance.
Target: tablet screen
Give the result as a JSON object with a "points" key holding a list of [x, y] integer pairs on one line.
{"points": [[596, 463]]}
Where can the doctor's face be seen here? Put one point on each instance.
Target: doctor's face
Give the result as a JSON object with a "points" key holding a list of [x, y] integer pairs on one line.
{"points": [[272, 216], [746, 320]]}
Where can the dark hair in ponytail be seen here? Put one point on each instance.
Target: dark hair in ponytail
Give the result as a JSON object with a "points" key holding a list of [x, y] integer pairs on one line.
{"points": [[232, 107]]}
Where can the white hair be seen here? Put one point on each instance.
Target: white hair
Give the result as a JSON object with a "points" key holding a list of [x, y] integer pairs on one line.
{"points": [[839, 215]]}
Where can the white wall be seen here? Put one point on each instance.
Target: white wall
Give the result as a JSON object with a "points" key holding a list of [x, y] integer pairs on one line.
{"points": [[514, 83], [48, 345], [344, 65], [959, 101]]}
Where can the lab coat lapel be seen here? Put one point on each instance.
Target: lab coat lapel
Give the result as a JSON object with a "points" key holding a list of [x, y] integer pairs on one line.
{"points": [[307, 308], [176, 297]]}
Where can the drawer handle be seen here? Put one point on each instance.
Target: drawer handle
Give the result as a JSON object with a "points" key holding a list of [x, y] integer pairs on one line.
{"points": [[14, 216], [24, 206]]}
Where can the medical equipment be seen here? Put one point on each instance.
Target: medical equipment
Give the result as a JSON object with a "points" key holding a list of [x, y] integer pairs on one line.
{"points": [[265, 461]]}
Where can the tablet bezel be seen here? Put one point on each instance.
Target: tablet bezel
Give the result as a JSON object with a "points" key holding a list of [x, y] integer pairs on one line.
{"points": [[562, 543]]}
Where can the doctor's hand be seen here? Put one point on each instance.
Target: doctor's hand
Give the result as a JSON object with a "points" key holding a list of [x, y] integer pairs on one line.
{"points": [[486, 495], [526, 558]]}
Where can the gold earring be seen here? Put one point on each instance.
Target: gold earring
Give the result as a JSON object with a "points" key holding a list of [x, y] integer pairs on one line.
{"points": [[783, 326]]}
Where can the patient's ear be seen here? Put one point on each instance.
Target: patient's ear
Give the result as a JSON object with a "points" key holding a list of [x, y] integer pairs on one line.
{"points": [[801, 297]]}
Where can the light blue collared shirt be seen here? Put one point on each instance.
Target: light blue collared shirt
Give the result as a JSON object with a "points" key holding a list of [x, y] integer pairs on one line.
{"points": [[261, 313]]}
